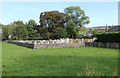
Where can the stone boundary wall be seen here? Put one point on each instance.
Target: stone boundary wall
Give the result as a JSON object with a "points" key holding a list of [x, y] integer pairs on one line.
{"points": [[35, 46], [103, 45], [58, 45], [61, 45], [29, 45]]}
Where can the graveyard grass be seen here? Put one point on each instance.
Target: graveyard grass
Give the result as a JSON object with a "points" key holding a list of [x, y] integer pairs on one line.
{"points": [[22, 61]]}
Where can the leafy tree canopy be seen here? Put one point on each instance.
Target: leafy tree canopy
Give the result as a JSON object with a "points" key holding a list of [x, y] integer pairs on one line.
{"points": [[77, 15], [71, 30], [21, 32], [52, 19], [18, 22], [59, 33], [32, 22]]}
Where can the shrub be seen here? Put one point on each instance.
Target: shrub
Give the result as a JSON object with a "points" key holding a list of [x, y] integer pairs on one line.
{"points": [[59, 33], [91, 72], [21, 32], [87, 37], [5, 34], [108, 37]]}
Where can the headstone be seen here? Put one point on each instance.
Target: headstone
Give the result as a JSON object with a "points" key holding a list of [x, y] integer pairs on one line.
{"points": [[48, 42], [82, 39], [35, 42], [67, 40], [71, 40]]}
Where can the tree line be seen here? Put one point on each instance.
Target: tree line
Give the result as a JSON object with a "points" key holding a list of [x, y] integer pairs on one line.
{"points": [[53, 25]]}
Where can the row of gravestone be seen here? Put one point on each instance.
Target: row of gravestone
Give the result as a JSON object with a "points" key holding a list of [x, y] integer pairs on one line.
{"points": [[58, 45], [57, 41]]}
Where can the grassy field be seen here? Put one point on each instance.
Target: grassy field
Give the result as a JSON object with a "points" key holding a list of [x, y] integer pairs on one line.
{"points": [[22, 61]]}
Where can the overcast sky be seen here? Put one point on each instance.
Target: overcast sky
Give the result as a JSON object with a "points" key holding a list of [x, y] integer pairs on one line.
{"points": [[100, 13]]}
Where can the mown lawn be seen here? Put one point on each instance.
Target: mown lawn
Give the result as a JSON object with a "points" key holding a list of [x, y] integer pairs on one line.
{"points": [[22, 61]]}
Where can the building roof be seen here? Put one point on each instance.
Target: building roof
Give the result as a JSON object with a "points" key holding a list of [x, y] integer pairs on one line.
{"points": [[114, 29]]}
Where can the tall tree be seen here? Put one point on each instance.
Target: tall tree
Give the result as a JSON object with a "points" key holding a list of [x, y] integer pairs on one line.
{"points": [[71, 30], [32, 22], [12, 31], [44, 34], [32, 29], [32, 32], [75, 19], [18, 23], [21, 32], [59, 32], [77, 15], [5, 33], [52, 19]]}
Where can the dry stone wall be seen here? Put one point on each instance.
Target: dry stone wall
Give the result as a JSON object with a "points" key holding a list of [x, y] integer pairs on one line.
{"points": [[51, 45], [60, 44], [29, 45]]}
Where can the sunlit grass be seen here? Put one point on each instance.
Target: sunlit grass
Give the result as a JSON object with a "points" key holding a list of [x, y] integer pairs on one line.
{"points": [[22, 61]]}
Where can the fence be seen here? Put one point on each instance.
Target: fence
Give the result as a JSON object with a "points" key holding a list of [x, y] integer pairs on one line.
{"points": [[103, 45]]}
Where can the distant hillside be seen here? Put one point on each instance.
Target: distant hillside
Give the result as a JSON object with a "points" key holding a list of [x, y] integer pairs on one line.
{"points": [[97, 27]]}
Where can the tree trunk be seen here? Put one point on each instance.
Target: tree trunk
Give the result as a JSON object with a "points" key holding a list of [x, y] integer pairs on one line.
{"points": [[72, 36]]}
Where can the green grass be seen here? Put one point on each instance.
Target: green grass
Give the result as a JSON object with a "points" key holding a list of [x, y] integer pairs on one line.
{"points": [[83, 31], [22, 61]]}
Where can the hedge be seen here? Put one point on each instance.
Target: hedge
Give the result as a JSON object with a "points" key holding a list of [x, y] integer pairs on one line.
{"points": [[87, 37], [108, 37]]}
